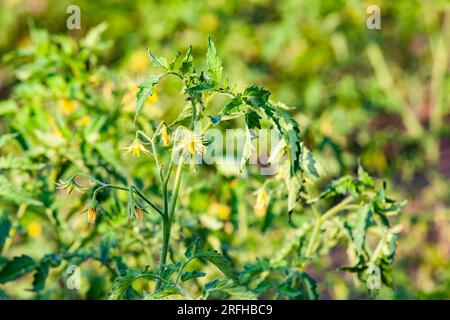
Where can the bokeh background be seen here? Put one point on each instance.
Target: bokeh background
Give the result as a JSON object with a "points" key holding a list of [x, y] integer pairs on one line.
{"points": [[378, 95]]}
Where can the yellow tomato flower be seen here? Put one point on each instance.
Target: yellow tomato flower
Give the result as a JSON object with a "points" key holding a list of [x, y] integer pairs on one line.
{"points": [[191, 142], [136, 148], [34, 230]]}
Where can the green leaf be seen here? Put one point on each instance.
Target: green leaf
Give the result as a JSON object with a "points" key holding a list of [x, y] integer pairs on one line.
{"points": [[194, 248], [293, 186], [158, 61], [42, 270], [186, 66], [232, 106], [5, 227], [199, 88], [145, 91], [310, 162], [17, 267], [121, 284], [362, 222], [192, 274], [174, 61], [252, 120], [257, 93], [310, 286], [228, 286], [257, 98], [219, 261], [162, 294], [215, 68], [363, 176], [41, 276]]}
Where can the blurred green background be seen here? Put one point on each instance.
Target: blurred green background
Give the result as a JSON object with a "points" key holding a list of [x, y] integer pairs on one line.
{"points": [[379, 95]]}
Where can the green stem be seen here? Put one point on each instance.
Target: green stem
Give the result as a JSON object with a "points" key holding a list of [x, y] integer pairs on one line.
{"points": [[176, 188], [167, 220]]}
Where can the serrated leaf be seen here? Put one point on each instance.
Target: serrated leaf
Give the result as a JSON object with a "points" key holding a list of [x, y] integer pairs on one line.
{"points": [[215, 68], [41, 276], [16, 268], [145, 91], [186, 66], [252, 120], [192, 274], [230, 287], [310, 163], [162, 294], [121, 284], [219, 261], [257, 98], [158, 61], [193, 249], [5, 227], [199, 88], [232, 106]]}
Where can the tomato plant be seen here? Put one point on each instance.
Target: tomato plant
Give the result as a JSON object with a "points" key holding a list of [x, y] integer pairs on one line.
{"points": [[351, 212]]}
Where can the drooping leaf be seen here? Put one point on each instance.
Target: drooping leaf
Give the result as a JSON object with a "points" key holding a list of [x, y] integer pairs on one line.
{"points": [[17, 267], [310, 162], [362, 222], [257, 98], [215, 68]]}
